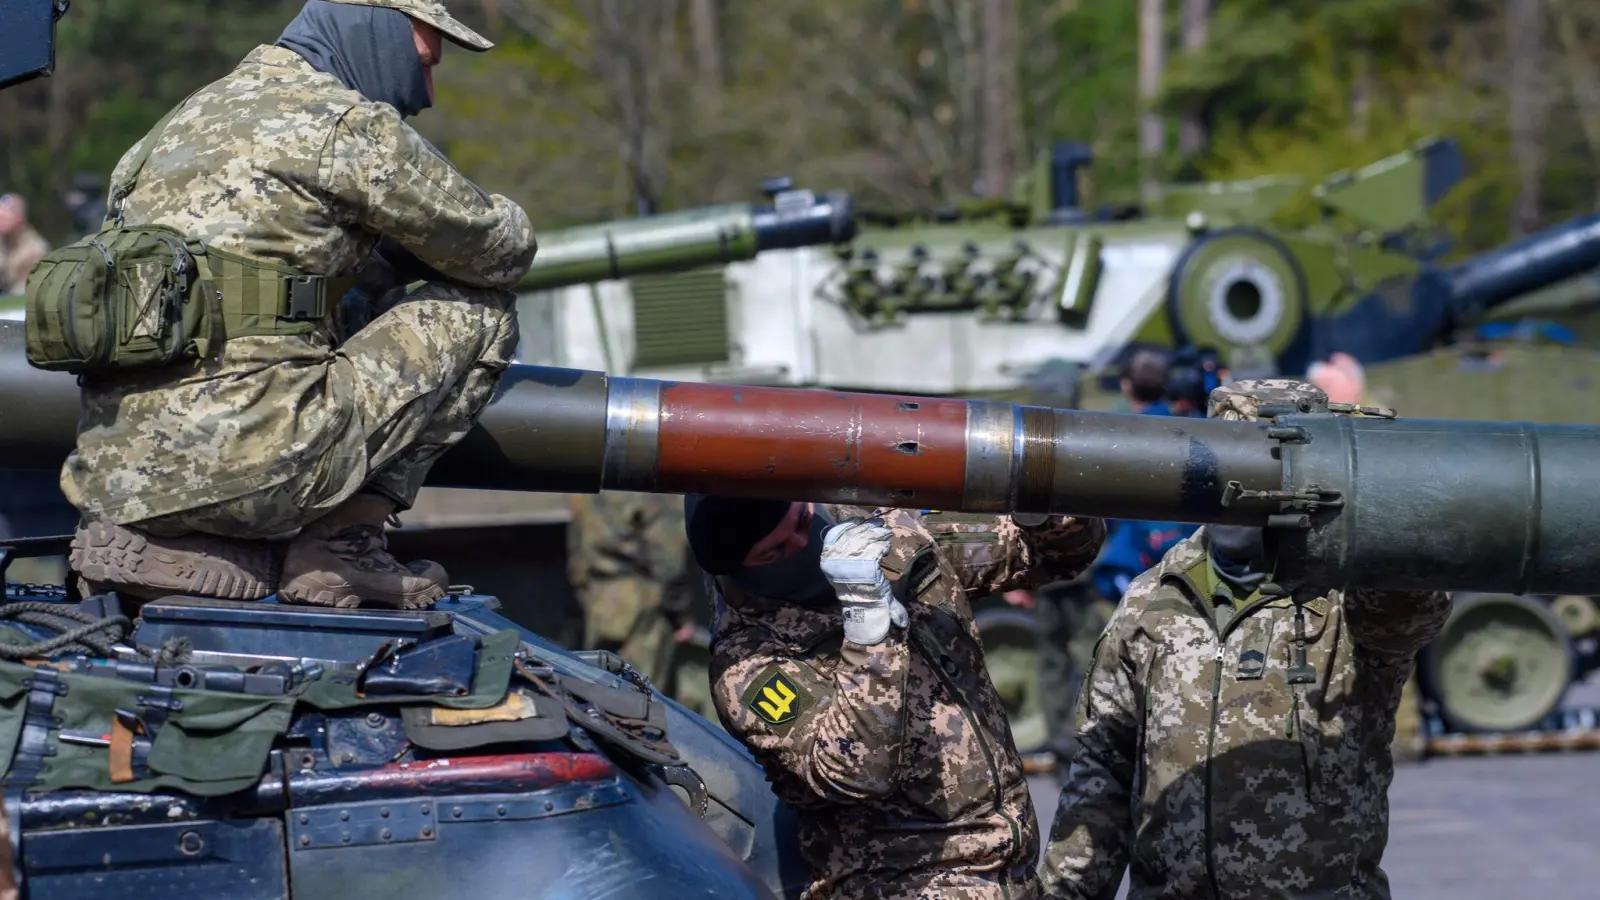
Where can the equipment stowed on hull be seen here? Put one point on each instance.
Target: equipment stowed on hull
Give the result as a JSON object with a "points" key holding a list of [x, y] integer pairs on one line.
{"points": [[1351, 501]]}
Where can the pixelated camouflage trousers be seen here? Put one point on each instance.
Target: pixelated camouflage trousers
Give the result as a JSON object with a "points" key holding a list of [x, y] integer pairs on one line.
{"points": [[416, 378]]}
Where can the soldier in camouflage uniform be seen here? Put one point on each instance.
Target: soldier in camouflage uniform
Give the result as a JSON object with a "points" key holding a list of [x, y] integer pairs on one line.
{"points": [[866, 697], [626, 559], [1210, 763], [302, 157]]}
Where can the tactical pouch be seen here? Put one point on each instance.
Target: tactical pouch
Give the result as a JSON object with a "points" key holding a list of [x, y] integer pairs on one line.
{"points": [[61, 731], [144, 296], [116, 300]]}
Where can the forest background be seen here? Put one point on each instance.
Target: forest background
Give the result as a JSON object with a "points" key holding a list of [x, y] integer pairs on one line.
{"points": [[594, 109]]}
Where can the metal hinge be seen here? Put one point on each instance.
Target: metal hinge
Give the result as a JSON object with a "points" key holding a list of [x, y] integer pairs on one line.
{"points": [[1309, 500]]}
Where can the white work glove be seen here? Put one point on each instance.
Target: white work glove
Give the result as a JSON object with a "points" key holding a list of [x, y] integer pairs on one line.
{"points": [[851, 552]]}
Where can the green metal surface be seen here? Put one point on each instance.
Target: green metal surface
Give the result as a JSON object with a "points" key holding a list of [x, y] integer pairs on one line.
{"points": [[1502, 663], [680, 319]]}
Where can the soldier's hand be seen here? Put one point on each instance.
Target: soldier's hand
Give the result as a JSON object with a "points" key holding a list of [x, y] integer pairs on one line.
{"points": [[851, 554]]}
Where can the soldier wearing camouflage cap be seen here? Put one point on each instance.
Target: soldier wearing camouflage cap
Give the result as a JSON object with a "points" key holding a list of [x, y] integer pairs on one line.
{"points": [[846, 658], [1233, 743], [299, 167]]}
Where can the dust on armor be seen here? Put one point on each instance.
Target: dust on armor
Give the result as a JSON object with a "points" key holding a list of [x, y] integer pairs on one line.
{"points": [[1210, 761], [898, 755]]}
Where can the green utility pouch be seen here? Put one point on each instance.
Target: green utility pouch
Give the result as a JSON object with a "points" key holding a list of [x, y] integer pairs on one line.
{"points": [[116, 300], [62, 731], [144, 296]]}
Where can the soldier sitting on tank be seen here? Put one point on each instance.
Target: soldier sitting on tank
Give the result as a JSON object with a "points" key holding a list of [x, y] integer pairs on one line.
{"points": [[301, 157], [1232, 743], [846, 658]]}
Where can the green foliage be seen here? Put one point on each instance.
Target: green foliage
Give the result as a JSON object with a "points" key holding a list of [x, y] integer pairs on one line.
{"points": [[575, 114]]}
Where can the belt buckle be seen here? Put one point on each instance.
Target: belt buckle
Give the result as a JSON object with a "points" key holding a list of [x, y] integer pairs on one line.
{"points": [[306, 298]]}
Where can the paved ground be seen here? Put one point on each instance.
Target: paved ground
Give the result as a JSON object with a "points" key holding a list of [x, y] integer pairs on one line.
{"points": [[1485, 828]]}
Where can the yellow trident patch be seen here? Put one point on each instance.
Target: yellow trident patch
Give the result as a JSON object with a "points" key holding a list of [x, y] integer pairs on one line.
{"points": [[775, 699]]}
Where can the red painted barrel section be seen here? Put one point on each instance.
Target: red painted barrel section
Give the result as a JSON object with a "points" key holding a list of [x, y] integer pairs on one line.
{"points": [[864, 448]]}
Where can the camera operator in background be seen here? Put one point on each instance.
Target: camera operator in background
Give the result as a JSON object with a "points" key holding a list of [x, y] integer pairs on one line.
{"points": [[20, 245]]}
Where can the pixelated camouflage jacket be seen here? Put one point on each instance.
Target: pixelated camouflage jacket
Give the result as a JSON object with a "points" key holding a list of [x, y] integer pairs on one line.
{"points": [[1204, 771], [627, 553], [898, 755], [278, 162]]}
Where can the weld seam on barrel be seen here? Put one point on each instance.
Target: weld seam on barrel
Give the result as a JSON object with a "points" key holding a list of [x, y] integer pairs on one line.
{"points": [[633, 434], [1036, 480], [1532, 522], [990, 445]]}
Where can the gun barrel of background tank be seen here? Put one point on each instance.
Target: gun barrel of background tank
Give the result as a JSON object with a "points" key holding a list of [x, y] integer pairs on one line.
{"points": [[675, 242], [1536, 261]]}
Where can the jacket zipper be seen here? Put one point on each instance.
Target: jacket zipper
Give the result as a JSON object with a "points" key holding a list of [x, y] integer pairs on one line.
{"points": [[988, 754], [1211, 732], [110, 316]]}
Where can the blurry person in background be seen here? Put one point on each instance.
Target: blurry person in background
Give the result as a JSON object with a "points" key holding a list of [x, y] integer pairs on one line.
{"points": [[20, 245], [85, 202], [1342, 378]]}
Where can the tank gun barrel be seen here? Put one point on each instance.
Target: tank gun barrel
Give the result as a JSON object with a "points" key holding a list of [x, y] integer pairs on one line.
{"points": [[674, 242], [1537, 261], [1347, 501]]}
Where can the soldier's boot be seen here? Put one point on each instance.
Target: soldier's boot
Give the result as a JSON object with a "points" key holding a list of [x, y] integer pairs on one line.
{"points": [[146, 566], [342, 559]]}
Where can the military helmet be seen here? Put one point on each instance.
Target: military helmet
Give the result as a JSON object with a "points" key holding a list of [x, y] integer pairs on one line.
{"points": [[1253, 399], [434, 13]]}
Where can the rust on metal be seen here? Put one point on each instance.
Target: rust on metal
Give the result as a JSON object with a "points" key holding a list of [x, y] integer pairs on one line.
{"points": [[519, 771], [722, 439]]}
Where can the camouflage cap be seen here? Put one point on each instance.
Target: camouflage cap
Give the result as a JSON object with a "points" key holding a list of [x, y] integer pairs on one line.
{"points": [[1241, 401], [434, 13]]}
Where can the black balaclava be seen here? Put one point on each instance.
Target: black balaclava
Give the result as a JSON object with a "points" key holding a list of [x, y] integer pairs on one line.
{"points": [[1239, 555], [369, 48], [796, 579]]}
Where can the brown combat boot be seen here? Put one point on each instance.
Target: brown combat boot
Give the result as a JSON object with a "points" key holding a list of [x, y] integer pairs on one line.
{"points": [[148, 567], [342, 559]]}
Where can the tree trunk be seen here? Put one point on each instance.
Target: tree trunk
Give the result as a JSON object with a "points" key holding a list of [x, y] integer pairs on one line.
{"points": [[707, 45], [1152, 131], [1360, 90], [1583, 75], [1525, 41], [1001, 141], [1196, 23]]}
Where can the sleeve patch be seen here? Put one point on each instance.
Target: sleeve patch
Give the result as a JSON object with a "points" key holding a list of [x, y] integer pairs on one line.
{"points": [[775, 698]]}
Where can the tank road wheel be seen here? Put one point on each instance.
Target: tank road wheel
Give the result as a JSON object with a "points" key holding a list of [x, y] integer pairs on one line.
{"points": [[1502, 663], [1011, 651], [1237, 289], [1579, 614]]}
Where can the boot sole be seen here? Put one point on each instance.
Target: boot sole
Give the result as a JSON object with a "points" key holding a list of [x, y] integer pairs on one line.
{"points": [[113, 556], [346, 598]]}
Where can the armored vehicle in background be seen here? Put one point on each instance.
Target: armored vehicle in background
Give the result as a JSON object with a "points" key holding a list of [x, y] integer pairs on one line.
{"points": [[980, 301]]}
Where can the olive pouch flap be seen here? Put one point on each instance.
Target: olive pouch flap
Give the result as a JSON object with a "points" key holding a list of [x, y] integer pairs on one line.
{"points": [[205, 743], [523, 716], [219, 739], [490, 678], [13, 706]]}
